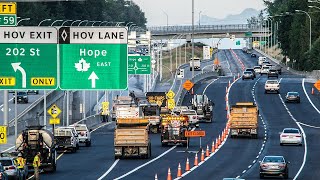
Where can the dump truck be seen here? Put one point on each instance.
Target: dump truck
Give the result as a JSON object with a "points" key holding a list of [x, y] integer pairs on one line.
{"points": [[131, 138], [203, 106], [196, 62], [37, 139], [120, 101], [150, 111], [244, 120], [173, 130]]}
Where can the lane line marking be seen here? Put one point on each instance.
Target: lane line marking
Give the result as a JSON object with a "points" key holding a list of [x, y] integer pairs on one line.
{"points": [[304, 89], [110, 169], [145, 164], [316, 127], [304, 139], [205, 89]]}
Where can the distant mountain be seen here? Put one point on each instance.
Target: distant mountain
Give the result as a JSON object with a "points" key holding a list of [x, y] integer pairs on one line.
{"points": [[230, 19]]}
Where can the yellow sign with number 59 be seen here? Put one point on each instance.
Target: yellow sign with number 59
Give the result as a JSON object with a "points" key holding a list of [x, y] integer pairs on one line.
{"points": [[3, 134]]}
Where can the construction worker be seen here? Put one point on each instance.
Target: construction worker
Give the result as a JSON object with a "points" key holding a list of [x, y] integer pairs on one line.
{"points": [[21, 163], [36, 165]]}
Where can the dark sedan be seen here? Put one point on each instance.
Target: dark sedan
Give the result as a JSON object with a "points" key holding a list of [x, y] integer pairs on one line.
{"points": [[293, 97], [253, 55], [274, 166]]}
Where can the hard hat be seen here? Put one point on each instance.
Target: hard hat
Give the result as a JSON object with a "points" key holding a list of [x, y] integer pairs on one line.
{"points": [[19, 155]]}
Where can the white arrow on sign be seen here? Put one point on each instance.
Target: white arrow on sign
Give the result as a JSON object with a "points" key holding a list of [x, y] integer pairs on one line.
{"points": [[3, 109], [16, 66], [93, 77]]}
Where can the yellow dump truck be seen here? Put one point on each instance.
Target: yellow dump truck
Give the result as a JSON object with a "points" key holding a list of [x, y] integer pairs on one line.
{"points": [[244, 120], [131, 138]]}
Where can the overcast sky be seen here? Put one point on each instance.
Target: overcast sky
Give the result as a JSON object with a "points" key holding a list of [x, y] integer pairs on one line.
{"points": [[180, 11]]}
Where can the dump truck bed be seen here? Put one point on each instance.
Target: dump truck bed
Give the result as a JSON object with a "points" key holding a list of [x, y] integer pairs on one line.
{"points": [[244, 115], [137, 136]]}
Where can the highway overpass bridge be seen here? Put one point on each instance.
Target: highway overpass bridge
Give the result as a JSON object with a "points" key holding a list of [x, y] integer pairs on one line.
{"points": [[209, 31]]}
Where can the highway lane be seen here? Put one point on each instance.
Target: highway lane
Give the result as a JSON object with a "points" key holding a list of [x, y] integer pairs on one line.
{"points": [[306, 114], [107, 158]]}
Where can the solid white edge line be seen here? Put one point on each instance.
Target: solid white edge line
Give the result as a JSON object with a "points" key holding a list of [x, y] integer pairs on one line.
{"points": [[304, 140], [205, 89], [304, 89], [110, 169]]}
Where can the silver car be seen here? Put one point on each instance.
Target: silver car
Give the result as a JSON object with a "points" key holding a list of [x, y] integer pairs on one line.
{"points": [[274, 166], [11, 168]]}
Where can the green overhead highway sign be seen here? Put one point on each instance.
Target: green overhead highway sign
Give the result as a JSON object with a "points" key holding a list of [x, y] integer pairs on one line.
{"points": [[93, 58], [28, 58], [139, 65], [248, 34]]}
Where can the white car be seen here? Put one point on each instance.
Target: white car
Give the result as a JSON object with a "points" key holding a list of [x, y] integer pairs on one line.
{"points": [[257, 69], [192, 115], [264, 69], [84, 134], [272, 86], [261, 60], [291, 136]]}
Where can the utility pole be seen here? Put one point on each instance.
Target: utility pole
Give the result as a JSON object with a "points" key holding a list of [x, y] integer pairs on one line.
{"points": [[192, 39]]}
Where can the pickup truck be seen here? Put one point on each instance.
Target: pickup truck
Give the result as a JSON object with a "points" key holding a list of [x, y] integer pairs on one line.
{"points": [[192, 116], [272, 86], [83, 133], [65, 140]]}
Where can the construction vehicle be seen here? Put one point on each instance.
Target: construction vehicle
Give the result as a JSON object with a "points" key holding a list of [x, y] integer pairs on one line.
{"points": [[173, 130], [244, 120], [195, 62], [159, 98], [203, 106], [36, 139], [131, 138], [150, 111], [120, 101]]}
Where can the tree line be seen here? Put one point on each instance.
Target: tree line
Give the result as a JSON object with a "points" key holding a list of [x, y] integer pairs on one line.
{"points": [[91, 10], [293, 32]]}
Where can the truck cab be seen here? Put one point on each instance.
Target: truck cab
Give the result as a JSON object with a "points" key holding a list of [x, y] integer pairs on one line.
{"points": [[84, 134], [203, 106], [196, 62], [192, 116], [151, 111]]}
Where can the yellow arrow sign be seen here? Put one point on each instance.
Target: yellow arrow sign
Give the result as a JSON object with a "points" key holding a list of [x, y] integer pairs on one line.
{"points": [[54, 111], [171, 94]]}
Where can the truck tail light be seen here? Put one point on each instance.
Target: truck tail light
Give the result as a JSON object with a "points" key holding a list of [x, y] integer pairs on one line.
{"points": [[11, 167], [284, 136], [194, 117], [298, 135], [264, 165]]}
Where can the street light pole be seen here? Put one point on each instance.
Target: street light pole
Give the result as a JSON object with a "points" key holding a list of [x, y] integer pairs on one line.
{"points": [[131, 26], [55, 22], [167, 20], [192, 38], [310, 43], [69, 20], [43, 21], [75, 22], [24, 19], [200, 18], [83, 22]]}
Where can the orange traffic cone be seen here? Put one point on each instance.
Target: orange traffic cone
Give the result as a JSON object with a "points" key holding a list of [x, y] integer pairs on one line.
{"points": [[207, 151], [312, 91], [179, 171], [212, 147], [202, 155], [234, 78], [226, 98], [226, 89], [187, 165], [226, 106], [169, 175], [238, 75], [196, 160], [229, 83], [222, 136], [216, 147], [227, 115], [192, 91], [156, 177]]}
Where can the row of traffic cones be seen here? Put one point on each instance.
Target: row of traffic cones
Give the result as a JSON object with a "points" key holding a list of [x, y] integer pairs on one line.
{"points": [[215, 145]]}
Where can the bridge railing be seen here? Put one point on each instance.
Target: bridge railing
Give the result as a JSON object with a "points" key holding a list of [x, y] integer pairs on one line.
{"points": [[203, 28]]}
